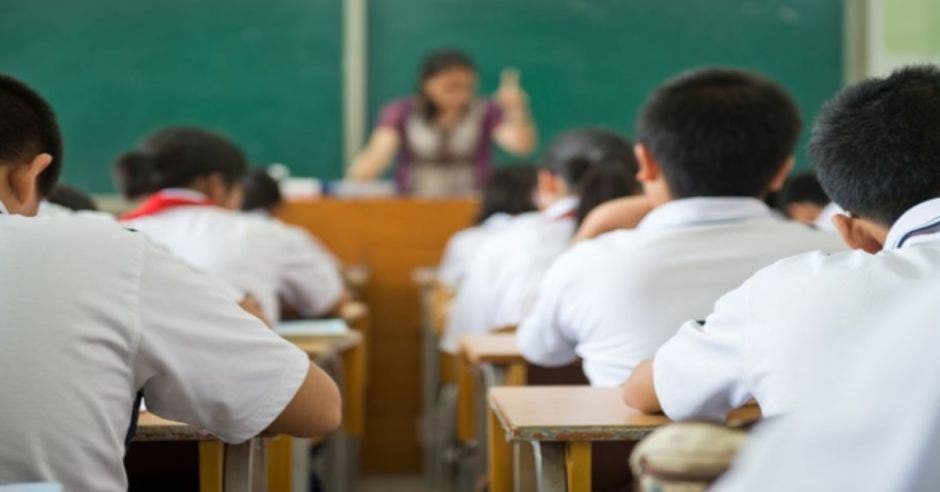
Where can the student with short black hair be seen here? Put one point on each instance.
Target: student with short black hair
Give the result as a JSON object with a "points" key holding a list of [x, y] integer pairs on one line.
{"points": [[853, 357], [194, 179], [841, 339], [508, 192], [93, 315], [262, 193], [711, 144], [580, 169], [803, 198]]}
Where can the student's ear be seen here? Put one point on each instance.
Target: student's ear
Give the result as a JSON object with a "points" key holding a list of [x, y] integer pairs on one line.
{"points": [[781, 177], [860, 233], [23, 184], [649, 169]]}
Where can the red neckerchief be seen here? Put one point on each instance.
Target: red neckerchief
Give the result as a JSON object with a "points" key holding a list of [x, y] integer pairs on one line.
{"points": [[160, 202]]}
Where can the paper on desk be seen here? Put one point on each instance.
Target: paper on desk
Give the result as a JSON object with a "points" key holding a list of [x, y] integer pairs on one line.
{"points": [[312, 327]]}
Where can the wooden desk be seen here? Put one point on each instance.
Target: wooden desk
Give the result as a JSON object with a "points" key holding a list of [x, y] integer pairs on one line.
{"points": [[491, 359], [561, 422], [391, 237], [231, 468]]}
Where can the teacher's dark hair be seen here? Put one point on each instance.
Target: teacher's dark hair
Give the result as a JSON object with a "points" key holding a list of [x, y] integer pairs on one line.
{"points": [[176, 157], [597, 164], [509, 191], [28, 128], [434, 63], [261, 192]]}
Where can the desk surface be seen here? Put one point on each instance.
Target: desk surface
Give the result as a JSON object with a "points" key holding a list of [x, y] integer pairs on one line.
{"points": [[569, 413], [327, 346], [498, 348], [153, 428]]}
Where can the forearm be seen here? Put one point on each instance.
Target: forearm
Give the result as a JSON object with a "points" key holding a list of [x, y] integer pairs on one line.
{"points": [[517, 133]]}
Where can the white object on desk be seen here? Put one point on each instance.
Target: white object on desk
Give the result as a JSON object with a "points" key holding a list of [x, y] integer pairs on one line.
{"points": [[32, 487], [312, 327]]}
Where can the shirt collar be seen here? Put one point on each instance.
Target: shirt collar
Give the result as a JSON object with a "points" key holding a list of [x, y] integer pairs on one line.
{"points": [[704, 211], [497, 220], [561, 208], [185, 193], [920, 224]]}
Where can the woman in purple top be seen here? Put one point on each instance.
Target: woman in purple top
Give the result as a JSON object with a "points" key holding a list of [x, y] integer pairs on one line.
{"points": [[443, 135]]}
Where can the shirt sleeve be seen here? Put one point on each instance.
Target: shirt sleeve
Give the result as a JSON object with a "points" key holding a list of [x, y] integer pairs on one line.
{"points": [[394, 114], [476, 299], [311, 282], [699, 372], [543, 337], [203, 360]]}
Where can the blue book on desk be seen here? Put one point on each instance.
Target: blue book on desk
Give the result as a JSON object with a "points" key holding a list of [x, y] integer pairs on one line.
{"points": [[312, 328]]}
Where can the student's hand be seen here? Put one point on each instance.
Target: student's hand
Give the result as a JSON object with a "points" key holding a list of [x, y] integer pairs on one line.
{"points": [[253, 307], [621, 213], [510, 96]]}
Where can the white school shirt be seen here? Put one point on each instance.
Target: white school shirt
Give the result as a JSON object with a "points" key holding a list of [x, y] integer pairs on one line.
{"points": [[90, 314], [261, 257], [861, 354], [464, 245], [501, 282], [824, 221], [613, 300]]}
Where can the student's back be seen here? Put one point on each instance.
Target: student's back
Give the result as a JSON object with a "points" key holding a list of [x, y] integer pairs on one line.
{"points": [[261, 257], [711, 143]]}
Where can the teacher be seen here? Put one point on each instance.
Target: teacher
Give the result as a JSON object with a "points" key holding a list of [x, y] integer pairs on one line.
{"points": [[443, 135]]}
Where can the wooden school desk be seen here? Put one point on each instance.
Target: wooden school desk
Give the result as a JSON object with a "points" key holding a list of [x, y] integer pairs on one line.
{"points": [[233, 468], [560, 423], [342, 356], [390, 237], [485, 361]]}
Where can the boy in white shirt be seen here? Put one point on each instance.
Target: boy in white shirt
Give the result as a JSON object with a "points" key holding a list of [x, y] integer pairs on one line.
{"points": [[195, 180], [91, 315], [711, 143], [846, 343], [581, 169], [507, 193]]}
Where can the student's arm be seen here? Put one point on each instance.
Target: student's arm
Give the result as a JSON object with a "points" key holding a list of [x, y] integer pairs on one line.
{"points": [[203, 360], [253, 307], [378, 155], [621, 213], [545, 336], [311, 282], [516, 131], [639, 392]]}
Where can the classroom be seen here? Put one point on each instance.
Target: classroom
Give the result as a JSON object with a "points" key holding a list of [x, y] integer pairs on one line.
{"points": [[467, 246]]}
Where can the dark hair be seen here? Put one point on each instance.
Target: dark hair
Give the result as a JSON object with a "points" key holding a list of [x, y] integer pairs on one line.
{"points": [[28, 128], [175, 157], [597, 164], [719, 132], [803, 188], [509, 190], [261, 192], [876, 144], [434, 63], [70, 198]]}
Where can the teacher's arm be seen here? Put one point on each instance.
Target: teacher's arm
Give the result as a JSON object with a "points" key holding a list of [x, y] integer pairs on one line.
{"points": [[378, 155], [516, 133]]}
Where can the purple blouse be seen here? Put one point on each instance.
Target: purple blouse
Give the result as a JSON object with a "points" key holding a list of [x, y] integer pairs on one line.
{"points": [[397, 114]]}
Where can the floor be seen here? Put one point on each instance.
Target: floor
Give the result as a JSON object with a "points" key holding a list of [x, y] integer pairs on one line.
{"points": [[392, 483]]}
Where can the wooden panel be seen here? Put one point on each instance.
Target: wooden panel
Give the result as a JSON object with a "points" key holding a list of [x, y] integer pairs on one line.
{"points": [[391, 237]]}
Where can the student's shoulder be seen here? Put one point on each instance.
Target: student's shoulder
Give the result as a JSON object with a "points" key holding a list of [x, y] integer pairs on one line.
{"points": [[811, 237]]}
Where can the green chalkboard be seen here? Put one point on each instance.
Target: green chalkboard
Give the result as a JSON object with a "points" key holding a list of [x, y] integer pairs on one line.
{"points": [[267, 73], [593, 62]]}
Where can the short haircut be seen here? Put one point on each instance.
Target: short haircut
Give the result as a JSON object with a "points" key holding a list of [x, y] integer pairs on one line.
{"points": [[261, 192], [509, 190], [876, 144], [175, 157], [719, 132], [803, 188], [28, 128], [71, 198]]}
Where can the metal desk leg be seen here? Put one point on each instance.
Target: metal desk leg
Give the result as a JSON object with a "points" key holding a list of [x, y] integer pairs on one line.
{"points": [[549, 466], [244, 467]]}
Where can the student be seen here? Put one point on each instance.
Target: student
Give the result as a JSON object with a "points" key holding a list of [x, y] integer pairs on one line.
{"points": [[711, 144], [195, 178], [803, 198], [858, 325], [94, 314], [581, 169], [506, 194]]}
